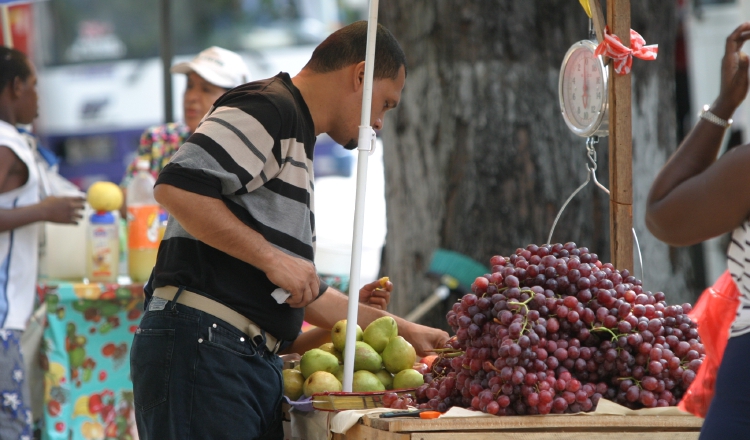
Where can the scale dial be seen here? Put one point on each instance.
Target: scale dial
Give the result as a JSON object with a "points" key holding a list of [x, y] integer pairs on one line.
{"points": [[583, 91]]}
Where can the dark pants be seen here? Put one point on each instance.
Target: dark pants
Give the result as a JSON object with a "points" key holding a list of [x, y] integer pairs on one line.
{"points": [[196, 377], [729, 414]]}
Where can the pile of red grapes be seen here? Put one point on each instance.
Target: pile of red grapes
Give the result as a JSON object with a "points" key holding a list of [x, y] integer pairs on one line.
{"points": [[552, 330]]}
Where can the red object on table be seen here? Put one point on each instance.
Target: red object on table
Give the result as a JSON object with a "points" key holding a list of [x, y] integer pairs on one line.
{"points": [[714, 313]]}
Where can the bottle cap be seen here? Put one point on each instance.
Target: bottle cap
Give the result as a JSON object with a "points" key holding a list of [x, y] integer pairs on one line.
{"points": [[142, 164], [102, 217]]}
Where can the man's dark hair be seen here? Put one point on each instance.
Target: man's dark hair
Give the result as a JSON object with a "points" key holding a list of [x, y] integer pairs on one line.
{"points": [[348, 45], [13, 63]]}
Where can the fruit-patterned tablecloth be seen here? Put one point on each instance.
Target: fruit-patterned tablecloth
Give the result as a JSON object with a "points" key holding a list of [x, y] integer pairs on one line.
{"points": [[87, 388]]}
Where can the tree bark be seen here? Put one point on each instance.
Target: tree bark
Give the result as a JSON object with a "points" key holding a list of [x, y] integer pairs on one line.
{"points": [[478, 159]]}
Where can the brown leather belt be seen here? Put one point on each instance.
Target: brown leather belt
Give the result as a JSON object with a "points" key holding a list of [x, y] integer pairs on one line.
{"points": [[205, 304]]}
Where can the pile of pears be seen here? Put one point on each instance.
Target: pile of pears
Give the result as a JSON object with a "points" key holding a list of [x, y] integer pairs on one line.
{"points": [[383, 360]]}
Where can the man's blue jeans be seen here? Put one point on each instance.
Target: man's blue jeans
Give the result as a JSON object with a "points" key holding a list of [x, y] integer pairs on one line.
{"points": [[197, 377]]}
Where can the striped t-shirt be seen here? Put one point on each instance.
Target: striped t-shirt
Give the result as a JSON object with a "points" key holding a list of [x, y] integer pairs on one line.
{"points": [[738, 263], [253, 151]]}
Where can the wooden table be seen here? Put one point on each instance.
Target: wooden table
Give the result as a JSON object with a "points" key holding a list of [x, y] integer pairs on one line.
{"points": [[595, 427]]}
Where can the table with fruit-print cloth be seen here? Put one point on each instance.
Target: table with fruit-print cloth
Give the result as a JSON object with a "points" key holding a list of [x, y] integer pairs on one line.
{"points": [[88, 392]]}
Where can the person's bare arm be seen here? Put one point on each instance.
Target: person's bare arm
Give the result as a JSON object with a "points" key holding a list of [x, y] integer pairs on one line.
{"points": [[65, 210], [332, 307], [210, 221], [313, 338], [695, 197]]}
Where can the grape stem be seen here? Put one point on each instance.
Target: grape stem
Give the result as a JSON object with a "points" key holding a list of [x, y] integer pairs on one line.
{"points": [[636, 381], [614, 336], [444, 350]]}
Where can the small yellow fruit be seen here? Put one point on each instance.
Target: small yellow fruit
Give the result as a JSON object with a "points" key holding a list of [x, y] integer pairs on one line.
{"points": [[104, 196]]}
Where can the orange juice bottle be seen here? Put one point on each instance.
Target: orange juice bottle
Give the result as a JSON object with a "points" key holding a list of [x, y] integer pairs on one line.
{"points": [[143, 224]]}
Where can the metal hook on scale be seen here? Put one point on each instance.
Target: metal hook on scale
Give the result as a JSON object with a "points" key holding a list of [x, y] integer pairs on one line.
{"points": [[591, 175]]}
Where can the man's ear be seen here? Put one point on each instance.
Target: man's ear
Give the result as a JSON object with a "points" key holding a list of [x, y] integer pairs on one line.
{"points": [[16, 87], [359, 76]]}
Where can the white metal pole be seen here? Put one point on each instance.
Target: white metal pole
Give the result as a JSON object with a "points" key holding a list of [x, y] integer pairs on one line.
{"points": [[365, 145], [7, 34]]}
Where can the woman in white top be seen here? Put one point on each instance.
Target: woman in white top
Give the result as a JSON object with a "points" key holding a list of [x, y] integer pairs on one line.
{"points": [[20, 211], [696, 197]]}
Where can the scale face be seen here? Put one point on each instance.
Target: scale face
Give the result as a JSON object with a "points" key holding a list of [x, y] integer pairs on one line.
{"points": [[583, 91]]}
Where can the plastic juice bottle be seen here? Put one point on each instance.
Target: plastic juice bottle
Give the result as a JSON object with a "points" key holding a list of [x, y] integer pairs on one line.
{"points": [[103, 257], [143, 224]]}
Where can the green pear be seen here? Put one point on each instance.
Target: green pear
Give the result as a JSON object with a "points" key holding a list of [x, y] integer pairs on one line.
{"points": [[379, 332], [293, 381], [317, 360], [340, 374], [365, 358], [386, 378], [398, 355], [338, 335], [409, 378], [320, 382], [328, 346], [365, 381]]}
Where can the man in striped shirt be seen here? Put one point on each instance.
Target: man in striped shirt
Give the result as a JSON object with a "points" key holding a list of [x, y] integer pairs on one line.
{"points": [[241, 200]]}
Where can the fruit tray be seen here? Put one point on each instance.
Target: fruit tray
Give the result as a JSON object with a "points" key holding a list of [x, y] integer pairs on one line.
{"points": [[341, 401]]}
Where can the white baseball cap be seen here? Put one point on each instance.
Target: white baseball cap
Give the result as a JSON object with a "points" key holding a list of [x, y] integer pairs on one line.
{"points": [[218, 66]]}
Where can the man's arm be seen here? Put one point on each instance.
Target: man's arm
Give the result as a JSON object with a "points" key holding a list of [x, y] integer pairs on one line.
{"points": [[333, 305], [209, 220]]}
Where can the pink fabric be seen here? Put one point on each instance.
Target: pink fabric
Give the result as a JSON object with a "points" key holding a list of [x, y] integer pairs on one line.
{"points": [[623, 55]]}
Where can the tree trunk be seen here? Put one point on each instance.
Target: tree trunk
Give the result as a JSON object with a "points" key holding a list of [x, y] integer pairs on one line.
{"points": [[478, 159]]}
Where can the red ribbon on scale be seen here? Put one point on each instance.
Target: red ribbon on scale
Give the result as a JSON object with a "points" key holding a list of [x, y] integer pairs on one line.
{"points": [[622, 55]]}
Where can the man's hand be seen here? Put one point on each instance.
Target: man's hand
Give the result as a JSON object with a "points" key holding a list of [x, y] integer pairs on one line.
{"points": [[423, 338], [377, 293], [296, 276], [66, 210]]}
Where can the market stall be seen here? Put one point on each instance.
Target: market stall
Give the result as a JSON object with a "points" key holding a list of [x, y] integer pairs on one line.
{"points": [[595, 75]]}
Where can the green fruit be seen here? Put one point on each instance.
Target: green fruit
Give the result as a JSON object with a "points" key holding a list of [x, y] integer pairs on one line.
{"points": [[379, 332], [317, 360], [386, 378], [340, 374], [365, 358], [76, 357], [293, 381], [399, 355], [328, 346], [338, 335], [320, 382], [364, 381], [109, 308], [408, 378]]}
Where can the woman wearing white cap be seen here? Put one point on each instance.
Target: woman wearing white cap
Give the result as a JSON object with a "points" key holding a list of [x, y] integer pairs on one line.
{"points": [[209, 75]]}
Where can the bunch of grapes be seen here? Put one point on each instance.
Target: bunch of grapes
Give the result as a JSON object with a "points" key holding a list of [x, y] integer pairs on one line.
{"points": [[552, 330], [396, 401]]}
